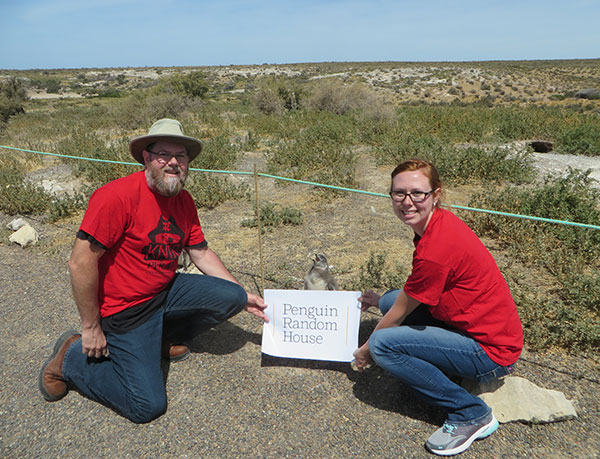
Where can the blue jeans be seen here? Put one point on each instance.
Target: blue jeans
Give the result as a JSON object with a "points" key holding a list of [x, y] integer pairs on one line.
{"points": [[130, 380], [423, 354]]}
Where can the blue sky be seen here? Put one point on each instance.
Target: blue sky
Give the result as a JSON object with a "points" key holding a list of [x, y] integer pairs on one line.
{"points": [[137, 33]]}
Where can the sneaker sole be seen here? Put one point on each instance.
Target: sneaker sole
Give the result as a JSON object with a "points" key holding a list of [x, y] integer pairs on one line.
{"points": [[482, 433], [59, 342]]}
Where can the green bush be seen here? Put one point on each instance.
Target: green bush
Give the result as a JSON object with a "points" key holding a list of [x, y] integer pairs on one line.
{"points": [[140, 109], [209, 191], [275, 96], [186, 84], [567, 316], [272, 215], [12, 98], [582, 139], [568, 198], [66, 206], [460, 164], [268, 101], [549, 323], [51, 85], [18, 196], [89, 145], [217, 153], [110, 93], [335, 97], [318, 154], [376, 274]]}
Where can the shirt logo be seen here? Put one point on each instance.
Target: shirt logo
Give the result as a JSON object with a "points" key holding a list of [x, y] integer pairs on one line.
{"points": [[166, 241]]}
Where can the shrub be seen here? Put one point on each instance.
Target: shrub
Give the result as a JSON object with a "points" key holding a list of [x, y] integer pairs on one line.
{"points": [[51, 85], [209, 191], [110, 92], [66, 206], [142, 109], [333, 96], [186, 84], [217, 153], [97, 173], [376, 274], [272, 215], [568, 316], [459, 165], [582, 139], [12, 98], [568, 198], [317, 154], [18, 196], [550, 323]]}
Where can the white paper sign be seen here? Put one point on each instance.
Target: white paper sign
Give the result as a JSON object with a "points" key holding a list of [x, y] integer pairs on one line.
{"points": [[311, 324]]}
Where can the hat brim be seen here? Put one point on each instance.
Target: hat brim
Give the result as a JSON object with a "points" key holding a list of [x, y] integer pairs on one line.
{"points": [[137, 145]]}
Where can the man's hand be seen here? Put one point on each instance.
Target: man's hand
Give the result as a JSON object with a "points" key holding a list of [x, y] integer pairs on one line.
{"points": [[256, 305], [368, 299], [362, 357], [93, 342]]}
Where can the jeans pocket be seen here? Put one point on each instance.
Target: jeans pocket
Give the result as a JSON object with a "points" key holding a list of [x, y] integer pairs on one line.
{"points": [[498, 372]]}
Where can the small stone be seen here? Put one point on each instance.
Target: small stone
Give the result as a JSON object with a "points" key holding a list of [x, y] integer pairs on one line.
{"points": [[24, 236], [16, 224]]}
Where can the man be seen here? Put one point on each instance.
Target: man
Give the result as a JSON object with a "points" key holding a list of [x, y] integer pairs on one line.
{"points": [[133, 306]]}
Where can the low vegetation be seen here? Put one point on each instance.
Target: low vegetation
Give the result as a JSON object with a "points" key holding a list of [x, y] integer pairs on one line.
{"points": [[273, 215], [567, 314], [322, 123]]}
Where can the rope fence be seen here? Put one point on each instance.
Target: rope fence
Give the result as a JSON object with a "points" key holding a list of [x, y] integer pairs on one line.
{"points": [[321, 185]]}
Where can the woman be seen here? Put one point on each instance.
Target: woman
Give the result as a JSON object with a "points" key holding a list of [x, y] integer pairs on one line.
{"points": [[455, 316]]}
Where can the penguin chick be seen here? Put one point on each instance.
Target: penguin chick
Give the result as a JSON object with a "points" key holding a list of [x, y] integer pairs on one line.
{"points": [[184, 262], [319, 277]]}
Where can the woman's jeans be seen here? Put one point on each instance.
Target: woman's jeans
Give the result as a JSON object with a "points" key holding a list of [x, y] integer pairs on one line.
{"points": [[423, 353], [130, 380]]}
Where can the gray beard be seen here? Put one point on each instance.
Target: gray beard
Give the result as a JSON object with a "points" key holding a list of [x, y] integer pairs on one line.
{"points": [[169, 187]]}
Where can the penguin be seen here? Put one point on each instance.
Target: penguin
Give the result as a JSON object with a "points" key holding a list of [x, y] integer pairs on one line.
{"points": [[319, 277]]}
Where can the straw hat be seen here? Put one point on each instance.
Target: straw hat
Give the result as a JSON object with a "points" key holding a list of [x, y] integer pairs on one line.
{"points": [[164, 130]]}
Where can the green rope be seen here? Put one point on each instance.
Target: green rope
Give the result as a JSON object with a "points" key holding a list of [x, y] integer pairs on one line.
{"points": [[333, 187]]}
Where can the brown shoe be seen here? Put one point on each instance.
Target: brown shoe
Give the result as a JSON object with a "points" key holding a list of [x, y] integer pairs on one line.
{"points": [[175, 352], [50, 381]]}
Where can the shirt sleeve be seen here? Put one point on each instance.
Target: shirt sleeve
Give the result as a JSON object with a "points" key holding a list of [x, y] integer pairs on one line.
{"points": [[196, 235], [106, 218], [427, 281]]}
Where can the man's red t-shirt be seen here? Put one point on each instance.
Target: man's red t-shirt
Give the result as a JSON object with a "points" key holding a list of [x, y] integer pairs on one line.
{"points": [[144, 233], [456, 276]]}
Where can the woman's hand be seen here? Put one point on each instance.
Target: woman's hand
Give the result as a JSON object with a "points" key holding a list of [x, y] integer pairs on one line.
{"points": [[362, 357], [368, 299]]}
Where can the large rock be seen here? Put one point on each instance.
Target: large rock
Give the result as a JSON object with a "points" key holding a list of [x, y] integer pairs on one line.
{"points": [[516, 399], [24, 236], [588, 93]]}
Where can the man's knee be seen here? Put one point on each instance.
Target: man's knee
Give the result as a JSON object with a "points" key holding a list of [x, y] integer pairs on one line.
{"points": [[146, 410], [235, 298]]}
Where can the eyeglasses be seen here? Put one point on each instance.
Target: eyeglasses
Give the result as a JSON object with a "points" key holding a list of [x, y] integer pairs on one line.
{"points": [[415, 196], [164, 157]]}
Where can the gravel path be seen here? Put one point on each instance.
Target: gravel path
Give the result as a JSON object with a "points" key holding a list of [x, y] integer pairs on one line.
{"points": [[228, 400]]}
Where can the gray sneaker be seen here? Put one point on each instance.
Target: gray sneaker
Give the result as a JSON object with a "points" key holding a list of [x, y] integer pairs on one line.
{"points": [[455, 437]]}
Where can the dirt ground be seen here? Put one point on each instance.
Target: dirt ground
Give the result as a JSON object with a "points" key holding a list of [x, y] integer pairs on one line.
{"points": [[228, 399]]}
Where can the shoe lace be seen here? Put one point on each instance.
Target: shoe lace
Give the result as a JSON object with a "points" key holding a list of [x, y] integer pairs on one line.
{"points": [[449, 428]]}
